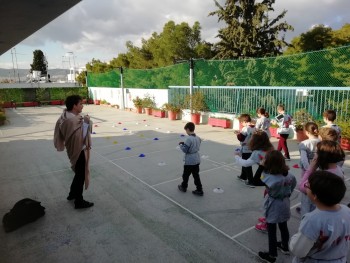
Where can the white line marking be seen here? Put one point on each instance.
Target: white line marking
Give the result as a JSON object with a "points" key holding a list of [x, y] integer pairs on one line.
{"points": [[251, 228], [169, 181], [202, 171], [181, 206]]}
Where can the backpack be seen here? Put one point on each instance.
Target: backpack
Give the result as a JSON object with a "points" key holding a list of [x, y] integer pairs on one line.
{"points": [[23, 212]]}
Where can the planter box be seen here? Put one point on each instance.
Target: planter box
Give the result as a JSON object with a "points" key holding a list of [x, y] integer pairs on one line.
{"points": [[345, 144], [159, 113], [89, 101], [8, 105], [219, 123], [30, 104], [57, 102], [273, 132]]}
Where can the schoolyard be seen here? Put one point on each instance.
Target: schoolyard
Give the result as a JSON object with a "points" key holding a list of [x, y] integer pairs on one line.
{"points": [[139, 214]]}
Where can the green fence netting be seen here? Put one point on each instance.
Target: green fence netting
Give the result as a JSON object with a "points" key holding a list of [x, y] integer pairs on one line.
{"points": [[157, 78], [248, 99], [106, 79], [325, 68]]}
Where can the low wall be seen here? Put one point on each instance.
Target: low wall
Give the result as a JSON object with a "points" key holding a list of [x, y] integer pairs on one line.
{"points": [[114, 95]]}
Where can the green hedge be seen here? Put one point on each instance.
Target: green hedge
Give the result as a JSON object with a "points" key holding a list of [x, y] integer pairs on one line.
{"points": [[54, 93]]}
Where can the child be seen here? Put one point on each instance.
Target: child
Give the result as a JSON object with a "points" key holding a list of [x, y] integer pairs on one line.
{"points": [[259, 145], [284, 120], [263, 123], [328, 134], [244, 138], [280, 185], [192, 160], [323, 234], [328, 154], [329, 117], [307, 149]]}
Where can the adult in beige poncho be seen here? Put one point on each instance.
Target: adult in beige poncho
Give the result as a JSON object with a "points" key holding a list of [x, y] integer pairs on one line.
{"points": [[73, 132]]}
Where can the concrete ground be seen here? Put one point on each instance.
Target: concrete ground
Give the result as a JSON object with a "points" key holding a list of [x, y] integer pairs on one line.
{"points": [[139, 214]]}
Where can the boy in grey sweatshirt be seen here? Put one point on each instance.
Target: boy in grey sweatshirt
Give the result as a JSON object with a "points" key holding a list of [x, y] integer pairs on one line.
{"points": [[192, 160]]}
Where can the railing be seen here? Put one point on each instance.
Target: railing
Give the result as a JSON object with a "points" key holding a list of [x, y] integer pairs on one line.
{"points": [[238, 100]]}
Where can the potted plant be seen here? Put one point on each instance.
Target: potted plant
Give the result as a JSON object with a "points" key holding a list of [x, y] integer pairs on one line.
{"points": [[219, 122], [273, 129], [301, 117], [148, 104], [158, 113], [173, 110], [97, 102], [345, 134], [196, 102], [138, 104]]}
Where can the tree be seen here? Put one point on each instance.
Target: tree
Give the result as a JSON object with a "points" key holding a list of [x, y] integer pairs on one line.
{"points": [[39, 62], [97, 66], [249, 31], [81, 78], [319, 37], [175, 42]]}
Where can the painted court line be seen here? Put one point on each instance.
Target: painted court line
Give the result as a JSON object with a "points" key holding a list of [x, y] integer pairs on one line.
{"points": [[251, 228], [131, 142], [184, 208], [202, 171]]}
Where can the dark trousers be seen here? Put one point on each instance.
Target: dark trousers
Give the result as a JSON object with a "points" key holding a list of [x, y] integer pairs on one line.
{"points": [[77, 186], [194, 170], [256, 179], [282, 144], [247, 172], [272, 233]]}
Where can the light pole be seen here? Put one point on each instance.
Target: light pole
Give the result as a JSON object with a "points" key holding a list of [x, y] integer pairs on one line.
{"points": [[122, 87]]}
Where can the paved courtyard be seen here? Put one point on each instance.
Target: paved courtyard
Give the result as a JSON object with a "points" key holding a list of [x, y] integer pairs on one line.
{"points": [[139, 214]]}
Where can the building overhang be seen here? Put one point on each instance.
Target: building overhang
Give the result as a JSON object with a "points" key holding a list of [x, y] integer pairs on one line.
{"points": [[21, 18]]}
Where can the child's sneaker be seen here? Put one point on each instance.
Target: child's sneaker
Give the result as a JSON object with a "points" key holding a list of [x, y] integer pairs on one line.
{"points": [[181, 188], [240, 178], [262, 220], [198, 192], [261, 227], [266, 257], [284, 250], [249, 184], [287, 158]]}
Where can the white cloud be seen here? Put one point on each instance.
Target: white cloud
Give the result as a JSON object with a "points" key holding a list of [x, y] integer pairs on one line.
{"points": [[100, 29]]}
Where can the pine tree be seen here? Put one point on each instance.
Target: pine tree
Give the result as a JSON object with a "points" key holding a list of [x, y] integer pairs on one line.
{"points": [[39, 62], [249, 31]]}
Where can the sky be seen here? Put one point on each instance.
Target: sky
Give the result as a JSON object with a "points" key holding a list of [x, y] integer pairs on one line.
{"points": [[100, 29]]}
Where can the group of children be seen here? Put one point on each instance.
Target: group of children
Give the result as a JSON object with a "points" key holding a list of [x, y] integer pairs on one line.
{"points": [[324, 232]]}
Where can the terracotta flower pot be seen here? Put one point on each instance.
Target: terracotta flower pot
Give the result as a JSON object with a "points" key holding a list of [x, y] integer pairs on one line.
{"points": [[196, 118], [97, 102], [148, 111], [301, 136], [172, 115], [345, 144], [139, 110]]}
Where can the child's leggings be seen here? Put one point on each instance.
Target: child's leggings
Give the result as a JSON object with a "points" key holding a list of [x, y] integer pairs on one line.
{"points": [[272, 233], [282, 144]]}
